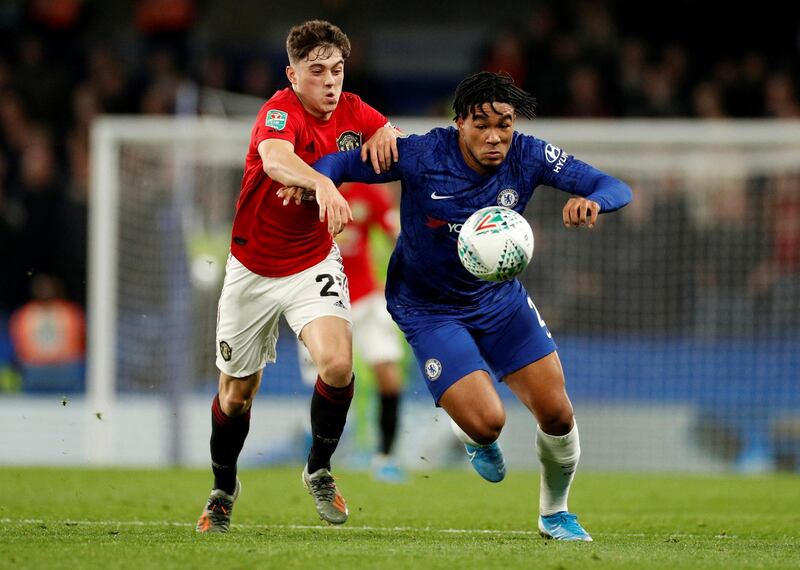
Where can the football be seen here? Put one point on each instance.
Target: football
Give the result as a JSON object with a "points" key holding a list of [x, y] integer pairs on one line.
{"points": [[495, 244]]}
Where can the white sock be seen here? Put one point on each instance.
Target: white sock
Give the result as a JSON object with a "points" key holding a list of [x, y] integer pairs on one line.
{"points": [[558, 456], [462, 435]]}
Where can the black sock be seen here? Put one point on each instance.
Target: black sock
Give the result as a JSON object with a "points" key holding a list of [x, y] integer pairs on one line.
{"points": [[388, 421], [227, 439], [329, 407]]}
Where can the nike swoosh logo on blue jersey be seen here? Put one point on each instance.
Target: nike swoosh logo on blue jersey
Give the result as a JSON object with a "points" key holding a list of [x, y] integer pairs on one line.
{"points": [[435, 196]]}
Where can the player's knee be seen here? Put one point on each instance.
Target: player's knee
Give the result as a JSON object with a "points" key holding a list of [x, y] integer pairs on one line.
{"points": [[336, 371], [559, 422], [488, 429], [235, 403]]}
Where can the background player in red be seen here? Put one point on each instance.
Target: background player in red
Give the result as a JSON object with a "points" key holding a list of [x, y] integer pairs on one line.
{"points": [[283, 261], [374, 333]]}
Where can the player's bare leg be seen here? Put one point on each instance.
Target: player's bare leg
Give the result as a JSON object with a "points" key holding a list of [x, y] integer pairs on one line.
{"points": [[230, 422], [540, 386], [478, 417], [387, 375], [329, 342]]}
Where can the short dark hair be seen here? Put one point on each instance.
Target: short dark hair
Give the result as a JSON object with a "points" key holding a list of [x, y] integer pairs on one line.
{"points": [[487, 87], [302, 39]]}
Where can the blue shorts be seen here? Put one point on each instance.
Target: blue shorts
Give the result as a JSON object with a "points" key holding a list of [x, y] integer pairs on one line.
{"points": [[499, 337]]}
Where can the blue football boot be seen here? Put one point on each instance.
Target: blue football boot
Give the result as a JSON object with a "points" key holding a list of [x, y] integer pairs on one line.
{"points": [[562, 526], [488, 461]]}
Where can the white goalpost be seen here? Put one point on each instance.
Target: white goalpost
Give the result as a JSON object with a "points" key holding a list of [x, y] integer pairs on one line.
{"points": [[677, 318]]}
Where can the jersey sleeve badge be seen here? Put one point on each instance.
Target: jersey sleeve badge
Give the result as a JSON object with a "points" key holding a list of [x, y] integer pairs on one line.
{"points": [[276, 119]]}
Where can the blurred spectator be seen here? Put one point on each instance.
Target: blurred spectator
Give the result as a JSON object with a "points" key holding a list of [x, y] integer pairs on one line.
{"points": [[257, 78], [214, 72], [543, 74], [48, 335], [40, 84], [781, 97], [660, 94], [631, 74], [39, 192], [507, 53], [585, 98], [166, 26], [109, 80], [707, 102], [746, 96]]}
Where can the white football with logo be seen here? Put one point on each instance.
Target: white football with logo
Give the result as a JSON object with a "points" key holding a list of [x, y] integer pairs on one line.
{"points": [[495, 244]]}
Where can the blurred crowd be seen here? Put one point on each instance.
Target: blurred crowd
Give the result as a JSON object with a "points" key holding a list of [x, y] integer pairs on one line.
{"points": [[586, 64], [581, 60]]}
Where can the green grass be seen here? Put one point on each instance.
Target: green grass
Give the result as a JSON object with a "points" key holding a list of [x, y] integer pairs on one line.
{"points": [[78, 518]]}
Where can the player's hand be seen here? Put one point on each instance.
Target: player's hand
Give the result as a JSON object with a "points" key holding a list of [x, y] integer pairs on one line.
{"points": [[579, 211], [381, 149], [332, 206], [296, 193]]}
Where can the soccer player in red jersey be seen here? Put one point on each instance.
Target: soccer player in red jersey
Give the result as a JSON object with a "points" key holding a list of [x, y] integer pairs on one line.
{"points": [[283, 261], [374, 333]]}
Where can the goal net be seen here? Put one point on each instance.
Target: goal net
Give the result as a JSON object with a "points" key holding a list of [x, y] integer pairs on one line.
{"points": [[677, 318]]}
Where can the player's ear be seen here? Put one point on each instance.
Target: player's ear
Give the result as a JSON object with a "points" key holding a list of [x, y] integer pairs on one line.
{"points": [[291, 75]]}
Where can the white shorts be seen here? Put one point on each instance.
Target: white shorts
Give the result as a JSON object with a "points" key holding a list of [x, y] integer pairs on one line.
{"points": [[250, 307], [375, 336]]}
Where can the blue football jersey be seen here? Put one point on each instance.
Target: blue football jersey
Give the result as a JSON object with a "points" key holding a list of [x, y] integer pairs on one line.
{"points": [[439, 192]]}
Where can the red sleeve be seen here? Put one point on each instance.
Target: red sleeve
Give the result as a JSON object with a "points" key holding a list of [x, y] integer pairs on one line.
{"points": [[277, 120], [371, 119]]}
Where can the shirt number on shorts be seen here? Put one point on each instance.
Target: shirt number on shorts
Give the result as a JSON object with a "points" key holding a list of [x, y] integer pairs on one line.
{"points": [[539, 317], [326, 288]]}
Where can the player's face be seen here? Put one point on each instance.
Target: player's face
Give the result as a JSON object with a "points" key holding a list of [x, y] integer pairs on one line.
{"points": [[485, 136], [317, 80]]}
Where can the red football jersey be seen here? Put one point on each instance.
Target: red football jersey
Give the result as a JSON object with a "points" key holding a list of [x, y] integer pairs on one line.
{"points": [[269, 238], [372, 205]]}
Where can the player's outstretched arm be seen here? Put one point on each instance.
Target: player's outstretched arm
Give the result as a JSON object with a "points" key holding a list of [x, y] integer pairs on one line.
{"points": [[284, 166], [597, 192], [341, 167], [348, 167]]}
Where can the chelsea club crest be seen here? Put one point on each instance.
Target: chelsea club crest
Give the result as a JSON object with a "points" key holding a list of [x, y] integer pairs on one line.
{"points": [[507, 198]]}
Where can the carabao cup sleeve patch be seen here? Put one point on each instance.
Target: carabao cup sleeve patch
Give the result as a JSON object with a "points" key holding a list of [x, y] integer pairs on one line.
{"points": [[276, 119]]}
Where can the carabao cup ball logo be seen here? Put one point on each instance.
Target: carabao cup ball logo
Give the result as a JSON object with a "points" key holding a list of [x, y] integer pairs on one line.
{"points": [[495, 244]]}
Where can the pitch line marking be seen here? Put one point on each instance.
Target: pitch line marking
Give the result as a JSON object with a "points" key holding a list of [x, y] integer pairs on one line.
{"points": [[69, 522]]}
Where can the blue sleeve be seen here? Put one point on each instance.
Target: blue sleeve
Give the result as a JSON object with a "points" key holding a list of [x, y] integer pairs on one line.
{"points": [[563, 171], [610, 192], [348, 167]]}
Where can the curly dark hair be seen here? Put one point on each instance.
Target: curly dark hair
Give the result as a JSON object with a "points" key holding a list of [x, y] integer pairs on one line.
{"points": [[487, 87], [316, 35]]}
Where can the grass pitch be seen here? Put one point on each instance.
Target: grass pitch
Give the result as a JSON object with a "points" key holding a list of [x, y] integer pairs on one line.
{"points": [[79, 518]]}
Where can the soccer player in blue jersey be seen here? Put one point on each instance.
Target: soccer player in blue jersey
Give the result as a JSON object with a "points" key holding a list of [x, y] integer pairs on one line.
{"points": [[464, 330]]}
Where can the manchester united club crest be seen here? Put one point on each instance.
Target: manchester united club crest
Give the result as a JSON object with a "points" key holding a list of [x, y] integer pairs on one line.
{"points": [[348, 140], [225, 351]]}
